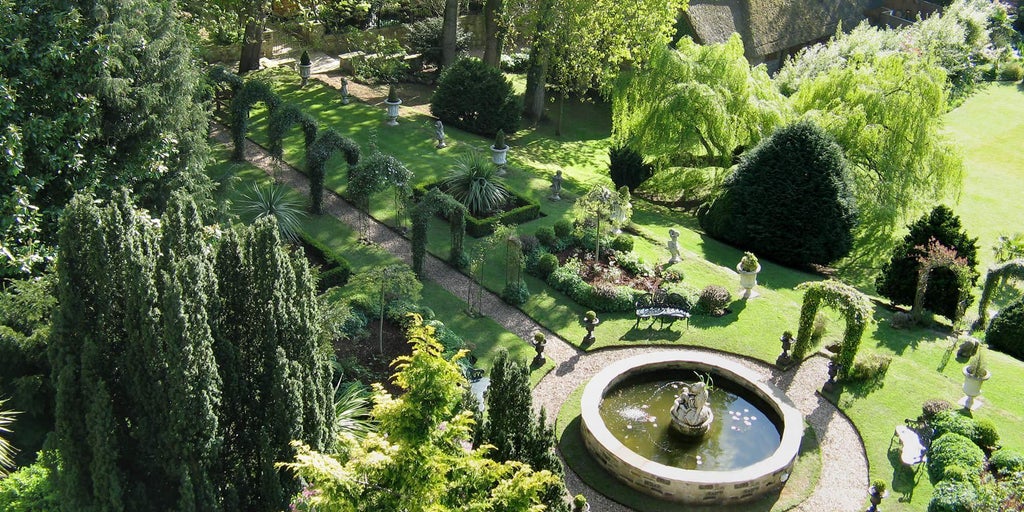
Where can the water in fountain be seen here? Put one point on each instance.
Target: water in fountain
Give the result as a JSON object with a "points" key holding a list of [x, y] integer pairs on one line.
{"points": [[637, 411]]}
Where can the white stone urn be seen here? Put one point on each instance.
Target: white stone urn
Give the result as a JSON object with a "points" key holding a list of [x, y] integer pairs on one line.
{"points": [[304, 71], [748, 280], [498, 156], [972, 386], [393, 111]]}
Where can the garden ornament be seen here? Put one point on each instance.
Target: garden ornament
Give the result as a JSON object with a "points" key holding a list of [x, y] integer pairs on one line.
{"points": [[673, 246], [556, 185], [439, 134]]}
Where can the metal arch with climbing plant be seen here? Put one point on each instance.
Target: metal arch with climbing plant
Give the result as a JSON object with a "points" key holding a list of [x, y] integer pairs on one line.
{"points": [[852, 304], [317, 154], [435, 201]]}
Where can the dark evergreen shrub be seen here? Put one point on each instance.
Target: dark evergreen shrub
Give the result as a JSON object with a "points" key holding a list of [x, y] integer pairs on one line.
{"points": [[546, 236], [622, 243], [563, 229], [950, 496], [529, 244], [1006, 462], [789, 200], [546, 265], [475, 97], [1006, 331], [898, 278], [425, 38], [627, 167], [952, 449], [713, 300], [516, 293]]}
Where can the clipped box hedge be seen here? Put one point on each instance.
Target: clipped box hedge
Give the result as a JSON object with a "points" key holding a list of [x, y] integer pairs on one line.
{"points": [[526, 210], [338, 270]]}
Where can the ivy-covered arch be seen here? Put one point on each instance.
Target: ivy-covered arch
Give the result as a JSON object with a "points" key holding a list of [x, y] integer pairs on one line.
{"points": [[936, 256], [317, 155], [993, 278], [852, 304], [283, 118], [374, 174], [221, 75], [251, 92], [434, 202]]}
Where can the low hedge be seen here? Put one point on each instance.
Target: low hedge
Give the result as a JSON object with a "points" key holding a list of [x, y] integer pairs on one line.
{"points": [[952, 449], [338, 270], [603, 298], [526, 210]]}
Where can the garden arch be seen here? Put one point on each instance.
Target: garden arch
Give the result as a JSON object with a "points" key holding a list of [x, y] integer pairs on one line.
{"points": [[936, 256], [435, 202], [317, 154], [994, 277], [225, 84], [374, 174], [852, 304], [281, 120], [246, 96]]}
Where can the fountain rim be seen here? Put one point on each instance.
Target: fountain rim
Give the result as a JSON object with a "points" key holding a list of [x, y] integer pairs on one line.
{"points": [[791, 419]]}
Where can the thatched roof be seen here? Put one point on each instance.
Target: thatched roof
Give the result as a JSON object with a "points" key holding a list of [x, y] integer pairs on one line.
{"points": [[768, 26]]}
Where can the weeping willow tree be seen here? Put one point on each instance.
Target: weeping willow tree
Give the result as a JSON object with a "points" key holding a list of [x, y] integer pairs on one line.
{"points": [[886, 114], [696, 106]]}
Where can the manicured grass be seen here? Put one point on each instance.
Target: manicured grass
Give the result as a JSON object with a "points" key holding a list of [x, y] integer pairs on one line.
{"points": [[920, 368], [800, 485]]}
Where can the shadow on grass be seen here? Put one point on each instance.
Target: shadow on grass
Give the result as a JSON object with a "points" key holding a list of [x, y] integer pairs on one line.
{"points": [[802, 481], [898, 340], [649, 333], [904, 478]]}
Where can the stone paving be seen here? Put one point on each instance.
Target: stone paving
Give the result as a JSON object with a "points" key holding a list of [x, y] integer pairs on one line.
{"points": [[844, 474]]}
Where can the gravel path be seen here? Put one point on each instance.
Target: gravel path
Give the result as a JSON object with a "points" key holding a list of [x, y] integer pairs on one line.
{"points": [[844, 473]]}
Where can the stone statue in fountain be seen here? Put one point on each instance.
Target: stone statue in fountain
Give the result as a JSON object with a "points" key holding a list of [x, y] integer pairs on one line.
{"points": [[691, 413]]}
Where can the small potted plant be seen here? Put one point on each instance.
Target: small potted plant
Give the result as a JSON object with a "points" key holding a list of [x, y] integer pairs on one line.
{"points": [[499, 150], [876, 492], [392, 102], [975, 374], [305, 66], [579, 503], [590, 320], [748, 268]]}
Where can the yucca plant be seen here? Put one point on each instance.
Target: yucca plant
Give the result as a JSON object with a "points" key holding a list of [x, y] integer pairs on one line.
{"points": [[474, 182], [352, 411], [272, 201], [7, 451]]}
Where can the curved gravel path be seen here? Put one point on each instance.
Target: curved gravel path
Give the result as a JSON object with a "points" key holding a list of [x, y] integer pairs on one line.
{"points": [[844, 473]]}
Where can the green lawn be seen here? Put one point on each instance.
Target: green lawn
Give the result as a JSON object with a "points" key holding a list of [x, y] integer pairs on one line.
{"points": [[921, 368]]}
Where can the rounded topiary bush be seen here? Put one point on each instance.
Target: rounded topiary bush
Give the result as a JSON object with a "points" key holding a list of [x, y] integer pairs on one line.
{"points": [[563, 229], [1006, 462], [515, 293], [546, 236], [952, 496], [713, 299], [952, 449], [547, 264], [1006, 331], [897, 280], [951, 420], [622, 243], [475, 97], [789, 199], [986, 436]]}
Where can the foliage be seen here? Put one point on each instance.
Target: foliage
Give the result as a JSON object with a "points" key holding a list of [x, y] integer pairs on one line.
{"points": [[22, 250], [162, 344], [953, 496], [283, 118], [1006, 462], [273, 201], [870, 369], [1006, 333], [1012, 72], [475, 97], [432, 203], [950, 420], [886, 114], [627, 167], [304, 59], [952, 449], [420, 459], [7, 449], [515, 293], [379, 286], [318, 152], [548, 263], [789, 199], [499, 140], [607, 298], [1009, 247], [475, 183], [852, 304], [749, 263], [878, 485], [978, 366], [546, 236], [251, 92], [930, 408], [337, 15], [713, 300], [898, 277], [425, 39], [374, 174], [594, 207], [32, 488], [338, 268], [382, 61], [986, 436], [696, 105], [351, 413], [622, 244], [563, 229], [938, 256]]}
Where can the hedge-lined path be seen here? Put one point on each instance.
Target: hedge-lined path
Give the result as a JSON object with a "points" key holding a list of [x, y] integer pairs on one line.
{"points": [[844, 475]]}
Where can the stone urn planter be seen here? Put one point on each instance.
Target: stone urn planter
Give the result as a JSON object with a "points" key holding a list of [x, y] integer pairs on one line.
{"points": [[590, 320], [392, 102], [875, 495], [748, 269], [499, 151], [972, 385], [305, 67]]}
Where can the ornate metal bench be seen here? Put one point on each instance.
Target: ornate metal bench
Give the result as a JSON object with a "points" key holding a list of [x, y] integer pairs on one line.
{"points": [[664, 308]]}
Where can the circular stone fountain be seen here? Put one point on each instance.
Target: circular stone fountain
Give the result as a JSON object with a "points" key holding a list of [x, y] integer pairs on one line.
{"points": [[748, 450]]}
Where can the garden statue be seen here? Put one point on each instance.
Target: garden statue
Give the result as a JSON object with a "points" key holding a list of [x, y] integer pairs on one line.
{"points": [[784, 359], [622, 209], [556, 185], [691, 413], [344, 91], [673, 246], [439, 134], [833, 371]]}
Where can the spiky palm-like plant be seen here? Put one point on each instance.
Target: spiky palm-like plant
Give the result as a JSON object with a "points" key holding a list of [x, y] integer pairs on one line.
{"points": [[474, 182], [352, 411], [6, 449], [272, 201]]}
